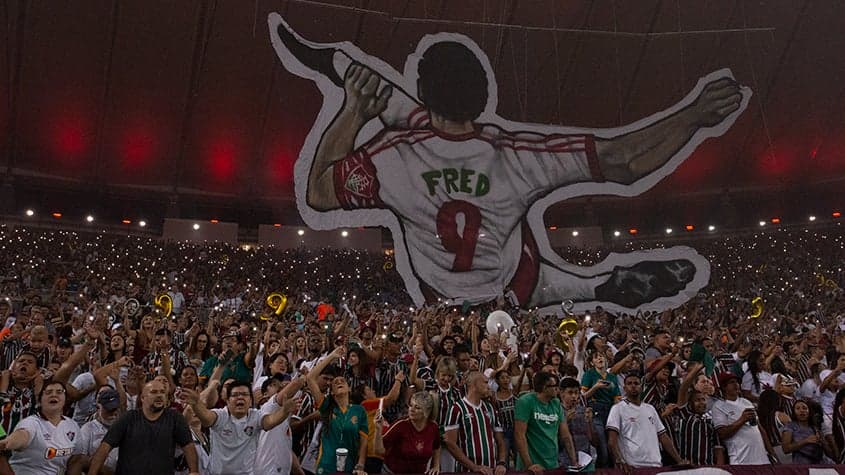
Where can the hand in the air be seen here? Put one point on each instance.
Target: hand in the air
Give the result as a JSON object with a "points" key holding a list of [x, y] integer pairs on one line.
{"points": [[717, 100], [362, 92]]}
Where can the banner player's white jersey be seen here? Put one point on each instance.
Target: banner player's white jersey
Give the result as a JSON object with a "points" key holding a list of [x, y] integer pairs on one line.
{"points": [[462, 206]]}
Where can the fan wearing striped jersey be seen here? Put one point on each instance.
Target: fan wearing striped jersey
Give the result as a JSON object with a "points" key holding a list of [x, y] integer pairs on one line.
{"points": [[463, 190]]}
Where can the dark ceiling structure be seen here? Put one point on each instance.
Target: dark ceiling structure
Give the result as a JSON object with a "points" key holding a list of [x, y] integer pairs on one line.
{"points": [[181, 108]]}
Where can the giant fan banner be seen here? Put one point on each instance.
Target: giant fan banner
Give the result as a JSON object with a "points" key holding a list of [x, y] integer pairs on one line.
{"points": [[463, 190]]}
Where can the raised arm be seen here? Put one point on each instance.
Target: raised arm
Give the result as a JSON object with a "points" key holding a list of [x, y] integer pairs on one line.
{"points": [[315, 372], [206, 417], [361, 105], [286, 401], [17, 440]]}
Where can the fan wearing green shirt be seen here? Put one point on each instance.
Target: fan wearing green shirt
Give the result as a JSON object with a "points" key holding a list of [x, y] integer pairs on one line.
{"points": [[344, 424], [539, 425]]}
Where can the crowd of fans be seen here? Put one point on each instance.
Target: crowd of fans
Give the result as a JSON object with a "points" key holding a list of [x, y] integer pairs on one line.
{"points": [[349, 376]]}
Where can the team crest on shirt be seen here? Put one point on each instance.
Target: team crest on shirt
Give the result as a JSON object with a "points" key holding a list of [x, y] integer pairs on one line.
{"points": [[249, 430], [359, 181], [47, 436], [70, 436], [353, 419], [420, 446]]}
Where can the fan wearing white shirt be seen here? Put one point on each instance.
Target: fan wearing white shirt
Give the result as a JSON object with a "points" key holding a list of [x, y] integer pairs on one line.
{"points": [[275, 444], [736, 424], [635, 432], [91, 433], [42, 444], [234, 429]]}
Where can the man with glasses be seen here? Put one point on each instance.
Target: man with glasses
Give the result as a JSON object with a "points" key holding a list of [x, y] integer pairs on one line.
{"points": [[235, 429], [539, 423]]}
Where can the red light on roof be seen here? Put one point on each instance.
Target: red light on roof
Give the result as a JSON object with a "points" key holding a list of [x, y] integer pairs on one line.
{"points": [[689, 227], [57, 215], [126, 221], [277, 225], [775, 220], [633, 231], [837, 214], [214, 221], [552, 228]]}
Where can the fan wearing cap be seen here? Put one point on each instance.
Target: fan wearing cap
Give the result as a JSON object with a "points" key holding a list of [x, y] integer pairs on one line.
{"points": [[390, 363], [93, 432], [736, 424], [231, 358]]}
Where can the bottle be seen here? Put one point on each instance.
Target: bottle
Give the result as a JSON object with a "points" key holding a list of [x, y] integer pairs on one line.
{"points": [[753, 421]]}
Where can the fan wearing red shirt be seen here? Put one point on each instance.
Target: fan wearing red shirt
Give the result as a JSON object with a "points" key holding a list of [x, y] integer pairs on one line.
{"points": [[413, 442]]}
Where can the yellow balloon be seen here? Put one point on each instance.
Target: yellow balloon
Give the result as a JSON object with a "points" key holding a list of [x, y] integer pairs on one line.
{"points": [[277, 301], [165, 303], [757, 305]]}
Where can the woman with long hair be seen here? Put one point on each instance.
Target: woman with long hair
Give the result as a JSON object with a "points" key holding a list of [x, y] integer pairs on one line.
{"points": [[773, 420], [116, 349], [300, 348], [344, 425], [601, 389], [802, 437], [199, 349], [43, 443], [412, 444], [358, 371], [144, 338], [277, 364], [756, 379]]}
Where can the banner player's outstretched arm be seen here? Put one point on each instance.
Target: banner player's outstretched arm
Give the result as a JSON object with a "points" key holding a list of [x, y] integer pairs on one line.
{"points": [[627, 158]]}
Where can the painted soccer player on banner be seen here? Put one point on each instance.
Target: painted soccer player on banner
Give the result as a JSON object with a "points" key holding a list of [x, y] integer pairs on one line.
{"points": [[463, 190]]}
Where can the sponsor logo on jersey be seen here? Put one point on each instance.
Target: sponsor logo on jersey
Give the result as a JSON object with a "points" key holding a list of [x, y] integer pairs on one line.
{"points": [[53, 452]]}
